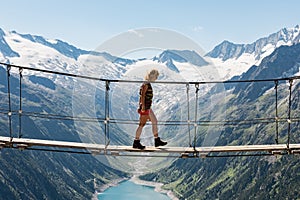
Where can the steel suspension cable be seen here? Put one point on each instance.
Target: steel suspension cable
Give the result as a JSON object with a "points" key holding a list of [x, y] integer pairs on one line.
{"points": [[276, 110], [177, 123], [188, 112], [134, 81], [289, 112], [20, 102], [9, 101], [196, 115], [106, 122]]}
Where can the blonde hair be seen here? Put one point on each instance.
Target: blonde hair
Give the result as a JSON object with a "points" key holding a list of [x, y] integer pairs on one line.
{"points": [[152, 74]]}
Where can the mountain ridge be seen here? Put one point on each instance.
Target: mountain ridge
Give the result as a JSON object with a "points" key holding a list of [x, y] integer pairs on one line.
{"points": [[228, 50], [5, 48]]}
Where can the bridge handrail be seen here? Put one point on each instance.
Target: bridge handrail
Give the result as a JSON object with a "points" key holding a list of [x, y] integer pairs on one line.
{"points": [[141, 81]]}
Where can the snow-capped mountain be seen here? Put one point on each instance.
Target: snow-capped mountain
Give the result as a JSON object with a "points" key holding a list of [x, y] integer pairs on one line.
{"points": [[5, 48], [228, 58], [52, 54], [35, 51], [282, 63], [56, 55], [260, 48], [185, 56], [234, 59]]}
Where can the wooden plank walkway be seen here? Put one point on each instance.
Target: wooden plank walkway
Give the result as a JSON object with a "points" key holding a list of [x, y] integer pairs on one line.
{"points": [[24, 143]]}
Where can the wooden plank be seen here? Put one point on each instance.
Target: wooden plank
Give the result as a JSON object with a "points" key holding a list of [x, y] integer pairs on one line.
{"points": [[4, 139], [60, 144], [27, 142]]}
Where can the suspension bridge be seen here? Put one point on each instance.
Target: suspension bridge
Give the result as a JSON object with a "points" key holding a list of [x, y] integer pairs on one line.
{"points": [[10, 140]]}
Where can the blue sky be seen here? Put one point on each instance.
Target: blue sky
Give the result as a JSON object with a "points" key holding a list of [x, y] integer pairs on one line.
{"points": [[88, 23]]}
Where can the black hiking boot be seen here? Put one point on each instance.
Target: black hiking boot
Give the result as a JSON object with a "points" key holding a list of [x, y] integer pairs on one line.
{"points": [[158, 142], [137, 145]]}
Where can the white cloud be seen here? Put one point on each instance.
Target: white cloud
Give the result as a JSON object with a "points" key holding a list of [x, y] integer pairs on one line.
{"points": [[137, 33], [197, 28]]}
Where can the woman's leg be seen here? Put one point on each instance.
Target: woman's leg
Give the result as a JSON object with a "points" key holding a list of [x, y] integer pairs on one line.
{"points": [[143, 120], [154, 123], [157, 141]]}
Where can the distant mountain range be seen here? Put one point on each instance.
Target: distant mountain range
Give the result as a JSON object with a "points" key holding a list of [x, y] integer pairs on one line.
{"points": [[235, 59], [185, 56], [258, 49], [230, 59]]}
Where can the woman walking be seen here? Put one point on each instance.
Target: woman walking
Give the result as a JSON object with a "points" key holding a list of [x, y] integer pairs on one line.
{"points": [[145, 111]]}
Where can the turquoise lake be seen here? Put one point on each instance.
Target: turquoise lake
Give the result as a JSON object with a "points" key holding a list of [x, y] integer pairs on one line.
{"points": [[128, 190]]}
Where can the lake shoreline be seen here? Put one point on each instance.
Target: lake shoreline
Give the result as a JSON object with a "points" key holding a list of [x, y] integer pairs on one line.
{"points": [[135, 179], [102, 188], [157, 186]]}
